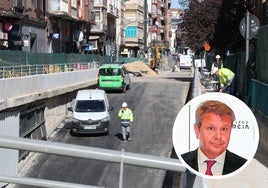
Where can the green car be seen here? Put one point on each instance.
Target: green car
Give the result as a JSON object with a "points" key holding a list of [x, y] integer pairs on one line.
{"points": [[113, 77]]}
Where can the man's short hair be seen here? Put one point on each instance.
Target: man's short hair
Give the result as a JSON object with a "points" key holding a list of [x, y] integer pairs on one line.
{"points": [[212, 106]]}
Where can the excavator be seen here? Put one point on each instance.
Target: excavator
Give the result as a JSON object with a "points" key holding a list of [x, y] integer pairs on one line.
{"points": [[155, 56]]}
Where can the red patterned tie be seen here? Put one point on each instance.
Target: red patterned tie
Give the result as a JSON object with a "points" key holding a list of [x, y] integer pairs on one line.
{"points": [[210, 163]]}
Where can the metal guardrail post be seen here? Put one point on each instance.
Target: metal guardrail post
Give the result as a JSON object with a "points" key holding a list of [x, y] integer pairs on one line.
{"points": [[121, 169]]}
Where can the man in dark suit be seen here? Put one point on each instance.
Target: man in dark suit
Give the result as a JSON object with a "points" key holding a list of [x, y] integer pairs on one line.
{"points": [[213, 126], [232, 161]]}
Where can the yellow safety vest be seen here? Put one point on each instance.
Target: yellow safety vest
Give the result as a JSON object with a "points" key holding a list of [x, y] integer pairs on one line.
{"points": [[225, 76], [127, 115]]}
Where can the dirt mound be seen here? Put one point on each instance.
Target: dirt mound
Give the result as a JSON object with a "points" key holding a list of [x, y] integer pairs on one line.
{"points": [[140, 67]]}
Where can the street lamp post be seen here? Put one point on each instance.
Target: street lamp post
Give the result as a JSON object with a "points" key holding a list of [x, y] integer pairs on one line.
{"points": [[145, 26]]}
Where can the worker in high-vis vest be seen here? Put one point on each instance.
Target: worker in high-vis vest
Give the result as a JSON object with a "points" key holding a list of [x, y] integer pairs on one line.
{"points": [[216, 66], [126, 116], [227, 80]]}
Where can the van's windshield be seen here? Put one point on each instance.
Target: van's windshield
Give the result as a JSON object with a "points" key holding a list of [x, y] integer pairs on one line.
{"points": [[90, 106], [110, 72]]}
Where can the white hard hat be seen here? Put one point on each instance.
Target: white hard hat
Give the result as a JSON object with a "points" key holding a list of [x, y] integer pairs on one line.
{"points": [[124, 104], [218, 56]]}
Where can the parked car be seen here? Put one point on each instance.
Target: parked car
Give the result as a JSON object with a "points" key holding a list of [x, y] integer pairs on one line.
{"points": [[90, 112], [113, 77]]}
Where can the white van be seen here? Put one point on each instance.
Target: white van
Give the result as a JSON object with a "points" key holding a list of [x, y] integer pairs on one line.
{"points": [[90, 112], [186, 61]]}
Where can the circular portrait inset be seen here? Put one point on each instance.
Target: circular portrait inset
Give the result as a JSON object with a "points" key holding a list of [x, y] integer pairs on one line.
{"points": [[215, 135]]}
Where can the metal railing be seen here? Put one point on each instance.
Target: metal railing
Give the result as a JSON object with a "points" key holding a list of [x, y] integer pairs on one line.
{"points": [[29, 70], [72, 150], [258, 97]]}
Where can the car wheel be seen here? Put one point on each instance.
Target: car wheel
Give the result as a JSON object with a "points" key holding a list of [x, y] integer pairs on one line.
{"points": [[73, 133]]}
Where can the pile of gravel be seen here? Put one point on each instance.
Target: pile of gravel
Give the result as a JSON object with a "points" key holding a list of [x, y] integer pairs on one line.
{"points": [[139, 68]]}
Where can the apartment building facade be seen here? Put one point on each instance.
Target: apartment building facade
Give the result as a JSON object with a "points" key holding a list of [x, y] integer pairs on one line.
{"points": [[160, 25], [96, 26], [132, 28], [82, 26], [176, 29], [47, 26], [146, 24], [68, 25], [103, 31], [22, 25]]}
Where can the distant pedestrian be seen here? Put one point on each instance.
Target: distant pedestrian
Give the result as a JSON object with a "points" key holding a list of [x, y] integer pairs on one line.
{"points": [[227, 80], [126, 116], [216, 66]]}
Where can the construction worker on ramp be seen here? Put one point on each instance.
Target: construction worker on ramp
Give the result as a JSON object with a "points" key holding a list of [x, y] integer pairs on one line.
{"points": [[126, 116]]}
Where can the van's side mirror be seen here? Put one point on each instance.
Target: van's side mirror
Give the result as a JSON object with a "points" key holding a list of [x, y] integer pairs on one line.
{"points": [[110, 108], [70, 109]]}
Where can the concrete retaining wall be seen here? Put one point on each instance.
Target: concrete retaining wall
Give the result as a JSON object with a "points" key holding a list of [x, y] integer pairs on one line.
{"points": [[23, 90]]}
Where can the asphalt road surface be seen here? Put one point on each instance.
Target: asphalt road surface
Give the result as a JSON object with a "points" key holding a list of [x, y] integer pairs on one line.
{"points": [[155, 102]]}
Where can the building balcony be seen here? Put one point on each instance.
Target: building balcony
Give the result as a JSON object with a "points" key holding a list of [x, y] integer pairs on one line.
{"points": [[74, 13], [113, 11], [140, 8], [100, 3], [57, 6], [98, 28]]}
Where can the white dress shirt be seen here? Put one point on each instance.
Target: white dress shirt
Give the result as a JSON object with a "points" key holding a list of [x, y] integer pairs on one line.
{"points": [[216, 169]]}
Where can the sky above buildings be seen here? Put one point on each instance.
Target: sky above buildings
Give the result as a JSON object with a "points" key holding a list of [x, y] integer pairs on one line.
{"points": [[174, 4]]}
